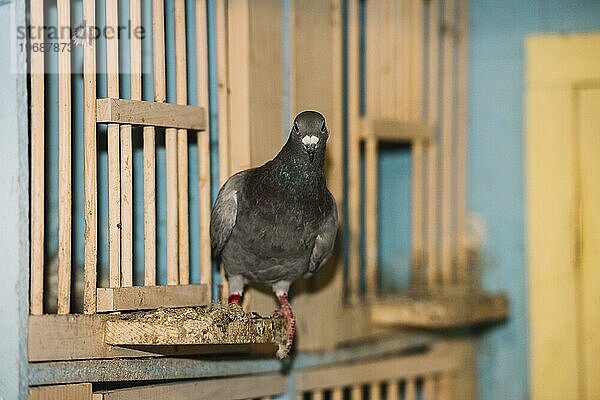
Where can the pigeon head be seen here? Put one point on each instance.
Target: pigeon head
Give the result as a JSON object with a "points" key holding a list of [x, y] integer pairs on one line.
{"points": [[309, 135]]}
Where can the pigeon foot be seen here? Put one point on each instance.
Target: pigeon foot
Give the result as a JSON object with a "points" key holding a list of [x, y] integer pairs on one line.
{"points": [[288, 314], [234, 298]]}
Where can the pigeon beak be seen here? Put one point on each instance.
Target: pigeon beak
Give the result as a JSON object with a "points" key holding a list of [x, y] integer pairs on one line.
{"points": [[311, 149]]}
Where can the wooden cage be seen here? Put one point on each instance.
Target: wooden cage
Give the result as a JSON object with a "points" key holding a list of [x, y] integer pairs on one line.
{"points": [[137, 132]]}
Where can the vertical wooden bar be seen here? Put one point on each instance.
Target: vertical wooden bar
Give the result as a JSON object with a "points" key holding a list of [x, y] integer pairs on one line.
{"points": [[447, 144], [372, 55], [172, 208], [64, 165], [354, 185], [317, 394], [204, 182], [416, 90], [444, 386], [432, 163], [429, 387], [405, 59], [393, 390], [114, 177], [90, 159], [337, 394], [222, 80], [375, 391], [385, 67], [126, 206], [149, 206], [37, 164], [356, 392], [182, 144], [371, 216], [158, 50], [410, 390], [461, 141]]}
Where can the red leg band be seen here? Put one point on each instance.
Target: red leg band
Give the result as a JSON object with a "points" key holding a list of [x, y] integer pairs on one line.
{"points": [[234, 298]]}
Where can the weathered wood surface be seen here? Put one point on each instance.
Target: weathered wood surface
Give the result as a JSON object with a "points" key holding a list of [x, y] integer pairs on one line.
{"points": [[395, 129], [440, 310], [214, 389], [151, 297], [147, 113], [216, 324], [79, 391]]}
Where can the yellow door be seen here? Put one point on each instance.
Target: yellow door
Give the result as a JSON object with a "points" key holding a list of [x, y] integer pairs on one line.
{"points": [[563, 208]]}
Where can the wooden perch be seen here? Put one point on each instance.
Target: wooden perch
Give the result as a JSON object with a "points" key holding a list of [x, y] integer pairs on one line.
{"points": [[216, 324]]}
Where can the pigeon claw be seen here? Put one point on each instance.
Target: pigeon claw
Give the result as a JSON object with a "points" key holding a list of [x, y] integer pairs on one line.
{"points": [[234, 298], [286, 311]]}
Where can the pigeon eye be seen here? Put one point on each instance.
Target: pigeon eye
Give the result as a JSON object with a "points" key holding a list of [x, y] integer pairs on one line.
{"points": [[323, 128], [295, 128]]}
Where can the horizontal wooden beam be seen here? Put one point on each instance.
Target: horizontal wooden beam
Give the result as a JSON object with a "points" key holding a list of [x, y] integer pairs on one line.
{"points": [[79, 391], [387, 129], [81, 337], [148, 113], [216, 324], [441, 357], [150, 297], [440, 311], [247, 387]]}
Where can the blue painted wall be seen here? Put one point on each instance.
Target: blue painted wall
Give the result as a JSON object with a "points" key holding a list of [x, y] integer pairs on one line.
{"points": [[496, 165]]}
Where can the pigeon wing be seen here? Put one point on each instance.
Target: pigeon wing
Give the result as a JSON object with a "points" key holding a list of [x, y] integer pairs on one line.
{"points": [[224, 212], [324, 243]]}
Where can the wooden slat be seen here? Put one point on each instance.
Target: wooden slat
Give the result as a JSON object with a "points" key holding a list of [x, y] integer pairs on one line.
{"points": [[64, 166], [417, 190], [158, 50], [114, 178], [149, 297], [375, 390], [385, 67], [78, 391], [223, 99], [204, 182], [429, 387], [441, 357], [410, 390], [182, 145], [317, 395], [405, 59], [337, 394], [393, 390], [213, 389], [354, 186], [432, 148], [371, 215], [149, 206], [356, 392], [135, 112], [372, 62], [172, 208], [445, 387], [90, 159], [135, 44], [461, 140], [37, 164], [126, 206], [447, 147]]}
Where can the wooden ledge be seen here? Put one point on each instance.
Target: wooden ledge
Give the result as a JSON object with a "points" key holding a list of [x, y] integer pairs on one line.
{"points": [[151, 297], [440, 310], [216, 324], [149, 113], [395, 130]]}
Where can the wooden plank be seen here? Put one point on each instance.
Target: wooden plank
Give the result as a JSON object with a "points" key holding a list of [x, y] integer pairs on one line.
{"points": [[393, 390], [375, 392], [461, 140], [317, 395], [372, 60], [447, 148], [429, 387], [216, 324], [394, 129], [432, 148], [158, 51], [356, 392], [148, 113], [90, 160], [149, 206], [37, 164], [114, 176], [149, 297], [64, 167], [135, 44], [182, 146], [371, 217], [78, 391], [410, 390], [217, 389], [223, 116], [337, 394], [440, 310], [172, 208], [81, 337], [441, 357], [126, 206], [354, 132], [417, 189], [204, 181]]}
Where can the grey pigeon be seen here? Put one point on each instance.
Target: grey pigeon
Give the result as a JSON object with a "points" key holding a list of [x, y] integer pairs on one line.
{"points": [[278, 222]]}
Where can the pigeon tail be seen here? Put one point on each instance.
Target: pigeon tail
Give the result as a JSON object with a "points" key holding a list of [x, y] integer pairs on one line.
{"points": [[288, 314]]}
